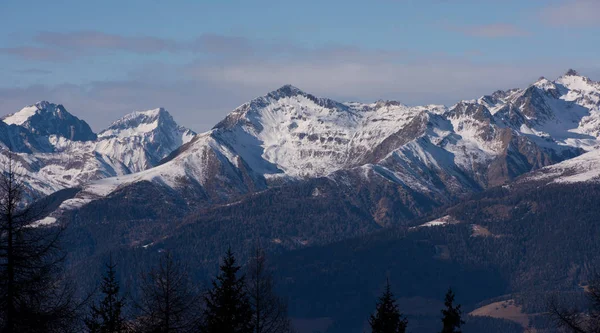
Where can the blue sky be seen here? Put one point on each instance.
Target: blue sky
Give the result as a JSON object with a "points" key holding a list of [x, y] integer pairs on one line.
{"points": [[200, 59]]}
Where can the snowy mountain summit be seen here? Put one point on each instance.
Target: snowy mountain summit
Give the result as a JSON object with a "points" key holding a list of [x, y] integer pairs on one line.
{"points": [[58, 150], [45, 118], [154, 130]]}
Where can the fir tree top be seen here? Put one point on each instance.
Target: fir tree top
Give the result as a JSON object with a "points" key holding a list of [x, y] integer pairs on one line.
{"points": [[107, 316], [387, 317], [228, 308], [451, 315]]}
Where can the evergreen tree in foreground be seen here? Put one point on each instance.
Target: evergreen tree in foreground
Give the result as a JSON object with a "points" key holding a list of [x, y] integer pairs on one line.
{"points": [[107, 316], [451, 315], [387, 318], [228, 308], [168, 303], [269, 310], [35, 296]]}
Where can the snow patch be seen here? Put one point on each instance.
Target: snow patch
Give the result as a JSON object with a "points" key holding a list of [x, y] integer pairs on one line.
{"points": [[19, 118]]}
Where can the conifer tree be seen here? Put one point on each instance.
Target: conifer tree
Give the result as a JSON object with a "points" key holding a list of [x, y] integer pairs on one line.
{"points": [[387, 317], [228, 308], [107, 316], [269, 310], [34, 293], [451, 315], [168, 302]]}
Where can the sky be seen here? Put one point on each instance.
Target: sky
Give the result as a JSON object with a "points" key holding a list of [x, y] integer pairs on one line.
{"points": [[201, 59]]}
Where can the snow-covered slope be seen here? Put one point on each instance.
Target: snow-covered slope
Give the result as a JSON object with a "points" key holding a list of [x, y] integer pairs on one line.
{"points": [[584, 168], [290, 134], [56, 150]]}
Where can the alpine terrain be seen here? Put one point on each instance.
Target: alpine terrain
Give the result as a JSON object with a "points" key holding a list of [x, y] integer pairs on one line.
{"points": [[480, 193]]}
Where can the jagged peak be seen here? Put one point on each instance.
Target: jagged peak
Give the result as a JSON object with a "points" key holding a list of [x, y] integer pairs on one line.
{"points": [[46, 118], [468, 108], [42, 107], [573, 75], [575, 81], [275, 97], [146, 116], [43, 104], [286, 90], [571, 72], [387, 103], [544, 84], [289, 90], [142, 122]]}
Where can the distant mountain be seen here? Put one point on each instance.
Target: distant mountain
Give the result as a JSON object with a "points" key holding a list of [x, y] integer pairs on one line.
{"points": [[45, 119], [56, 150], [140, 140], [441, 153]]}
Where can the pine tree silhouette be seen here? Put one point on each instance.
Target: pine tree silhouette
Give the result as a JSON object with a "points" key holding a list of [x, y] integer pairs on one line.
{"points": [[451, 315], [107, 316], [387, 317], [228, 307], [269, 310], [35, 295], [168, 302]]}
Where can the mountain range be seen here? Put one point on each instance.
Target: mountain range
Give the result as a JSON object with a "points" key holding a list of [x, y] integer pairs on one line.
{"points": [[308, 174], [436, 152]]}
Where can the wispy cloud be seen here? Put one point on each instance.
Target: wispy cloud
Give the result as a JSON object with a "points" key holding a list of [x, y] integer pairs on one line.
{"points": [[212, 43], [572, 13], [33, 71], [497, 30], [56, 46], [94, 40], [33, 53]]}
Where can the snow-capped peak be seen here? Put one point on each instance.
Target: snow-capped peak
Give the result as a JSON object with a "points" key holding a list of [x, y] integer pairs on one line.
{"points": [[142, 138], [20, 117], [571, 72], [45, 119], [544, 84], [139, 123], [387, 103], [573, 81], [287, 90]]}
